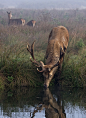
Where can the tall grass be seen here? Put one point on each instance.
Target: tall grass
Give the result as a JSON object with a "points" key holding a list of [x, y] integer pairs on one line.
{"points": [[74, 69], [15, 64]]}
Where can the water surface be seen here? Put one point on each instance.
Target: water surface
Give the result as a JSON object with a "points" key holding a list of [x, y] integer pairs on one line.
{"points": [[40, 103]]}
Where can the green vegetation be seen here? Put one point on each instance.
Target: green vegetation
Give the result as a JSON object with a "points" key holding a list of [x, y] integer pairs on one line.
{"points": [[80, 44], [74, 70], [15, 66]]}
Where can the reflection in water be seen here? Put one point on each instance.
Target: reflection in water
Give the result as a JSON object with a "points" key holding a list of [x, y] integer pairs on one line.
{"points": [[39, 103], [53, 108]]}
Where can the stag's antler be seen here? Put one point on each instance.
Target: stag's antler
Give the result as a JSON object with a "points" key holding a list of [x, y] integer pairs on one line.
{"points": [[41, 64], [48, 67], [31, 51]]}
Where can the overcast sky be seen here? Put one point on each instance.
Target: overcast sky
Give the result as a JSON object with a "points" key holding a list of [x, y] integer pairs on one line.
{"points": [[40, 4]]}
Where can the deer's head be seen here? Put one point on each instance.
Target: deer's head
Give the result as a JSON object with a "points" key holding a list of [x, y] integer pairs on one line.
{"points": [[9, 14], [47, 70]]}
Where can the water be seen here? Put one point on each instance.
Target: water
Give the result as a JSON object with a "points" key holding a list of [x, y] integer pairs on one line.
{"points": [[40, 103]]}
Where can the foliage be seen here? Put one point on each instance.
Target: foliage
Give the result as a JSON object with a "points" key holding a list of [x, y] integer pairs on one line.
{"points": [[74, 70], [10, 79], [80, 44], [14, 58]]}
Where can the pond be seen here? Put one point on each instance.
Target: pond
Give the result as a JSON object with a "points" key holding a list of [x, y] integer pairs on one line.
{"points": [[53, 102]]}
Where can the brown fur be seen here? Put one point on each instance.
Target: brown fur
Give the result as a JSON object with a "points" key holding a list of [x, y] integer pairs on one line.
{"points": [[15, 21], [31, 23], [57, 45]]}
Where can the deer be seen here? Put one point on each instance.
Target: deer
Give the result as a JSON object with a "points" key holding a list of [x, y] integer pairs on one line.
{"points": [[31, 23], [19, 21], [56, 48]]}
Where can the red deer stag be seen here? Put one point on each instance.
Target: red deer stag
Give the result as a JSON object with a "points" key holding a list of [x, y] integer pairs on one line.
{"points": [[57, 45], [15, 21], [31, 23]]}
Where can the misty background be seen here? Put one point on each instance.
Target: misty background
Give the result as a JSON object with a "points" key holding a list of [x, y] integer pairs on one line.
{"points": [[43, 4]]}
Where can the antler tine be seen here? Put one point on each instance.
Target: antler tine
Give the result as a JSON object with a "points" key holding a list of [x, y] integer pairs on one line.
{"points": [[28, 48], [38, 64], [31, 50], [40, 70]]}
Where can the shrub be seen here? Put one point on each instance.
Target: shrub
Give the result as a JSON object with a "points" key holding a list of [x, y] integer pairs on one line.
{"points": [[80, 44]]}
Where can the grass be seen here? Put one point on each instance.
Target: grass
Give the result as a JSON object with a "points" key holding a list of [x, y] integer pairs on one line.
{"points": [[74, 70], [15, 64]]}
